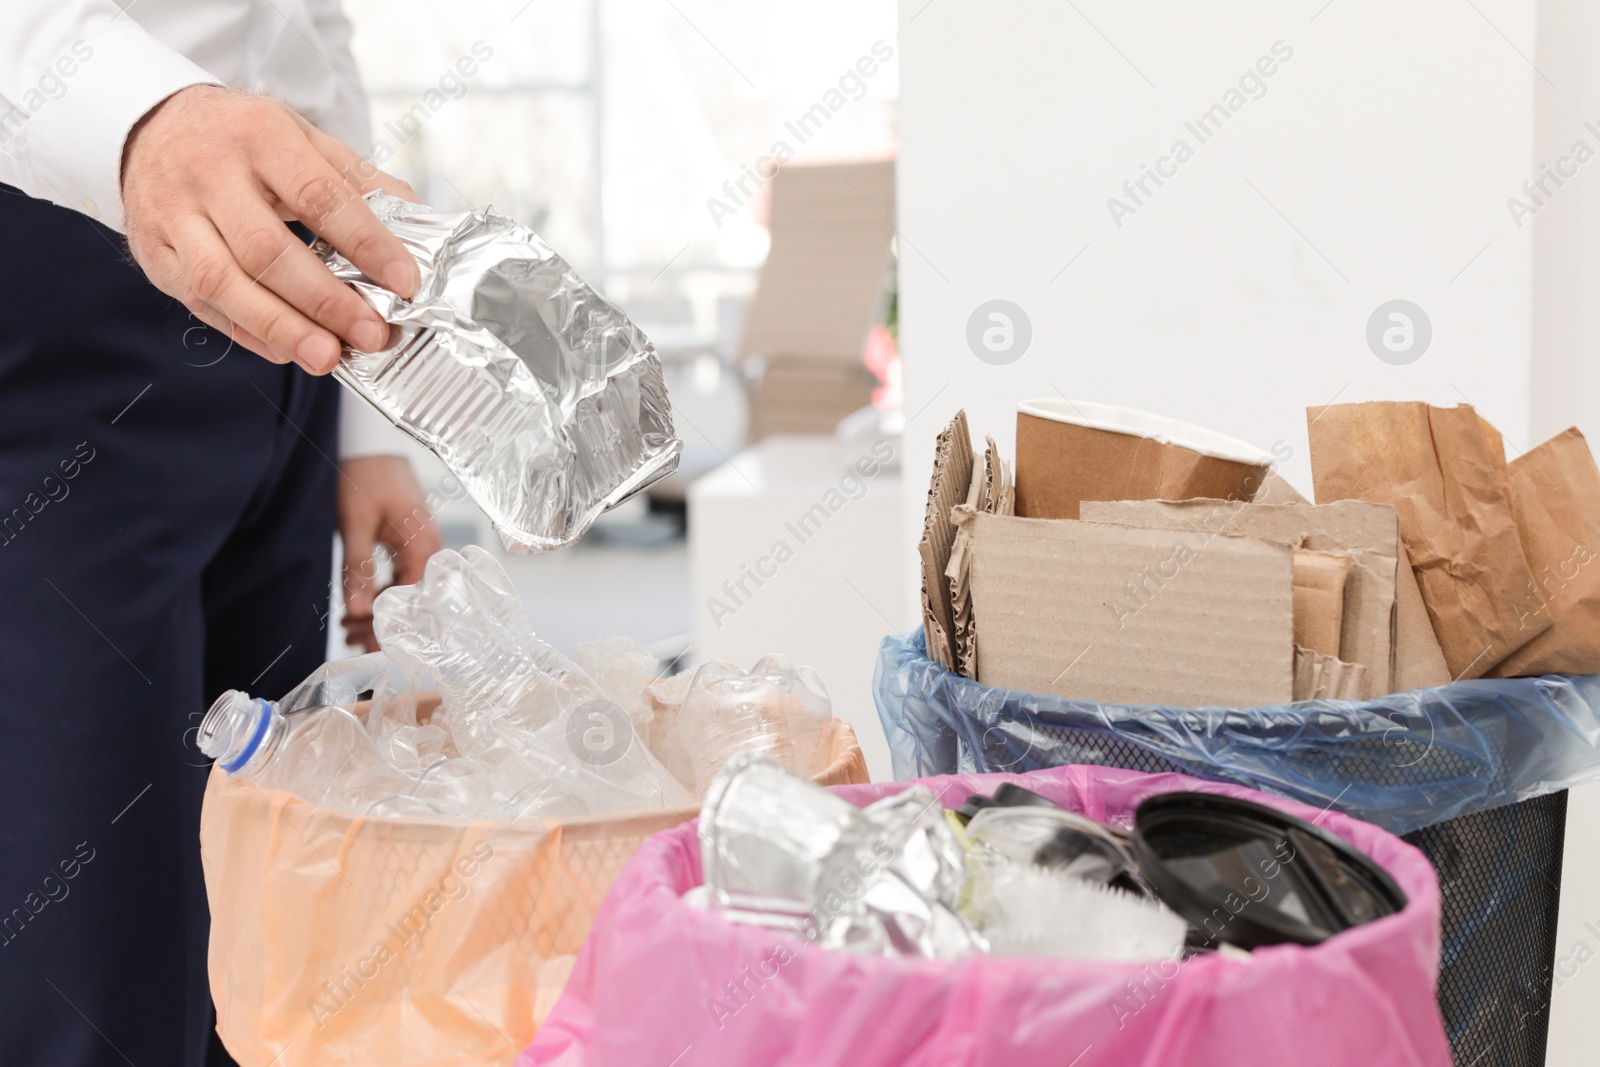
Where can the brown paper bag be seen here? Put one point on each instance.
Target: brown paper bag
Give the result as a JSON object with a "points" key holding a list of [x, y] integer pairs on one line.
{"points": [[1440, 469], [1418, 660], [1555, 495]]}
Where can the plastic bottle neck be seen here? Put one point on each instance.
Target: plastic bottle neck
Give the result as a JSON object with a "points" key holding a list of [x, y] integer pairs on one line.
{"points": [[242, 733]]}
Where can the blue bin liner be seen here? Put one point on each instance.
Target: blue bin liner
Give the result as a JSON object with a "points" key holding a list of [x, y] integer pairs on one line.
{"points": [[1404, 761]]}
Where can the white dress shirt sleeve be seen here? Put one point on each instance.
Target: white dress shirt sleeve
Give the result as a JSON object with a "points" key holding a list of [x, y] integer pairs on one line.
{"points": [[75, 76], [348, 120]]}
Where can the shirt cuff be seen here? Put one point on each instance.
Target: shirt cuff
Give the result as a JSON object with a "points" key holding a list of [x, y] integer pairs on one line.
{"points": [[74, 145], [366, 431]]}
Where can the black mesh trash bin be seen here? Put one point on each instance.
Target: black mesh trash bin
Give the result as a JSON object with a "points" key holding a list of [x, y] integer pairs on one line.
{"points": [[1474, 774]]}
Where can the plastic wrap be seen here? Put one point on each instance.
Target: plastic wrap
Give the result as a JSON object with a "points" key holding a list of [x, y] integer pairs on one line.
{"points": [[546, 402], [660, 981], [1403, 761]]}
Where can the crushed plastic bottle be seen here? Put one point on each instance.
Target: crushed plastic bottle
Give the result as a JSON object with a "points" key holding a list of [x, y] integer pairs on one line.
{"points": [[775, 709], [514, 729], [552, 741]]}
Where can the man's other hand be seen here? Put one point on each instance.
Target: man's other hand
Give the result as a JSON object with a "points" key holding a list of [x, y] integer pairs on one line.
{"points": [[380, 502], [210, 175]]}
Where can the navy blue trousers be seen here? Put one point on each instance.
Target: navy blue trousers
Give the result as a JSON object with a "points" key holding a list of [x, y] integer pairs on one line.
{"points": [[166, 515]]}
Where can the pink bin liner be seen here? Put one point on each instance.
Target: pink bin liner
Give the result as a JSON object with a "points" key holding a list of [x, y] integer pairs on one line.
{"points": [[661, 983]]}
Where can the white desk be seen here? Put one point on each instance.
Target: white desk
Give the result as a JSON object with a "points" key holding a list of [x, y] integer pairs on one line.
{"points": [[823, 591]]}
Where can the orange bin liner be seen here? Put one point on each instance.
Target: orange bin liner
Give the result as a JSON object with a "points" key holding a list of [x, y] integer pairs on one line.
{"points": [[342, 939]]}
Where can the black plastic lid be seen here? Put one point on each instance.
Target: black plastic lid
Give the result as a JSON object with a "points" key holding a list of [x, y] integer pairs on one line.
{"points": [[1251, 875], [1007, 795]]}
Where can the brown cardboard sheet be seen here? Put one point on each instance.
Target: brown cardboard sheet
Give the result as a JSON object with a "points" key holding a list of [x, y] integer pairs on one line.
{"points": [[1129, 615], [1319, 582], [1368, 533], [1318, 677], [990, 493]]}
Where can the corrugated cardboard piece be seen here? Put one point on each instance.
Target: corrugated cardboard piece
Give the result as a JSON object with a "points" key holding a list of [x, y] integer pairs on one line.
{"points": [[1318, 677], [952, 476], [1368, 533], [991, 493], [1072, 451], [1555, 495], [1444, 470], [1127, 615], [1319, 581]]}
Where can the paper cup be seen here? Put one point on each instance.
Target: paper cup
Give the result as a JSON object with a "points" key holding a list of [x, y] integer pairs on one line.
{"points": [[1071, 450]]}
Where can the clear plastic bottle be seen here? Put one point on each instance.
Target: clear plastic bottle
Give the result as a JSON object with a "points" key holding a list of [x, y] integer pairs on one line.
{"points": [[320, 753]]}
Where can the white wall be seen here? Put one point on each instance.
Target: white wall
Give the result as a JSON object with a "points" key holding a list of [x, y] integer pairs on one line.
{"points": [[1375, 166], [1566, 391]]}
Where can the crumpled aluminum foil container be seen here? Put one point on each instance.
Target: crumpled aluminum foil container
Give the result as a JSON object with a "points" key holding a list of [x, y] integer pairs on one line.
{"points": [[544, 399], [779, 851]]}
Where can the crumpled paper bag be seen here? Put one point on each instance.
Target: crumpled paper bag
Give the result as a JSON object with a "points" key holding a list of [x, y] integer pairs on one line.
{"points": [[1444, 470]]}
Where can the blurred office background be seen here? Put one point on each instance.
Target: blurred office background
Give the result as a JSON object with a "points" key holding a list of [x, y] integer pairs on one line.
{"points": [[634, 136]]}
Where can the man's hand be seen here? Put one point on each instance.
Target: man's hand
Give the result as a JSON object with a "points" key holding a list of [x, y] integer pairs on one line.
{"points": [[210, 175], [380, 502]]}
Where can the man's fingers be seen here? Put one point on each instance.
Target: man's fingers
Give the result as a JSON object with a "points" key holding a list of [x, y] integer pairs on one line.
{"points": [[308, 185], [359, 632], [360, 572], [215, 279], [359, 171], [274, 257], [165, 271], [416, 548], [244, 338]]}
